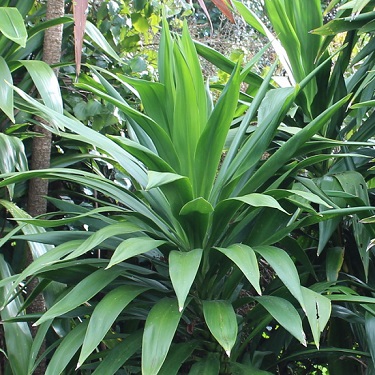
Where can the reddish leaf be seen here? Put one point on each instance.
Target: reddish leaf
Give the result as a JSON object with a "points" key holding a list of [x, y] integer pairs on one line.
{"points": [[204, 8], [225, 7], [80, 13]]}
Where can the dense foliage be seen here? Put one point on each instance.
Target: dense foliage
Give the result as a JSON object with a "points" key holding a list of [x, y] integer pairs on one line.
{"points": [[195, 229]]}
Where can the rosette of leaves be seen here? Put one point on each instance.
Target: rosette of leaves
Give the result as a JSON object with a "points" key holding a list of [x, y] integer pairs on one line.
{"points": [[177, 287]]}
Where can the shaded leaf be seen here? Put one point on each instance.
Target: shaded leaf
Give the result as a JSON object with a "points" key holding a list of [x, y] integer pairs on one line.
{"points": [[285, 314]]}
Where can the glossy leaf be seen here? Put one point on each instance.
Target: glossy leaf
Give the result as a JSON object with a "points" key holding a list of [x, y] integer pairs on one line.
{"points": [[183, 267], [285, 314], [67, 349], [156, 179], [6, 92], [46, 82], [103, 234], [103, 316], [12, 25], [132, 247], [160, 327], [318, 311], [80, 294], [16, 334], [245, 259], [222, 323], [283, 265]]}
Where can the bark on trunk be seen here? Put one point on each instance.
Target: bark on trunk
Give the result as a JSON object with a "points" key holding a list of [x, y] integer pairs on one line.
{"points": [[41, 149]]}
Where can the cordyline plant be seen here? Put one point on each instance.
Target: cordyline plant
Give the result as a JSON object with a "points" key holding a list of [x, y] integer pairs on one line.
{"points": [[177, 287]]}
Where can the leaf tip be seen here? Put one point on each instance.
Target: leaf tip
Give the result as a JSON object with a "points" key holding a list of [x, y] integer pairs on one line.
{"points": [[227, 352]]}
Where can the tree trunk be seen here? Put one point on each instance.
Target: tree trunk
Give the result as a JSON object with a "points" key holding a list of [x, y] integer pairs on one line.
{"points": [[41, 148]]}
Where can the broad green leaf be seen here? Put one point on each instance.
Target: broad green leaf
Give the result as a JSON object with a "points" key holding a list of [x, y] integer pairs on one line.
{"points": [[67, 349], [104, 315], [12, 25], [260, 200], [12, 156], [285, 314], [6, 92], [103, 234], [318, 311], [81, 293], [160, 327], [199, 205], [245, 259], [17, 334], [98, 39], [334, 261], [283, 265], [118, 355], [46, 82], [183, 267], [222, 323], [156, 179], [132, 247]]}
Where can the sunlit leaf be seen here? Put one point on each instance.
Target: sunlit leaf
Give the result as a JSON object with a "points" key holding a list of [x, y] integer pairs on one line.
{"points": [[12, 25]]}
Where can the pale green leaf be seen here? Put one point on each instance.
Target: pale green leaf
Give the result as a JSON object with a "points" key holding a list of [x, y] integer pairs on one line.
{"points": [[104, 315], [260, 200], [318, 311], [103, 234], [156, 179], [12, 25], [6, 92], [245, 259], [283, 265], [160, 327], [17, 334], [133, 247], [46, 82], [183, 267], [199, 205], [285, 314], [67, 349], [222, 323]]}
